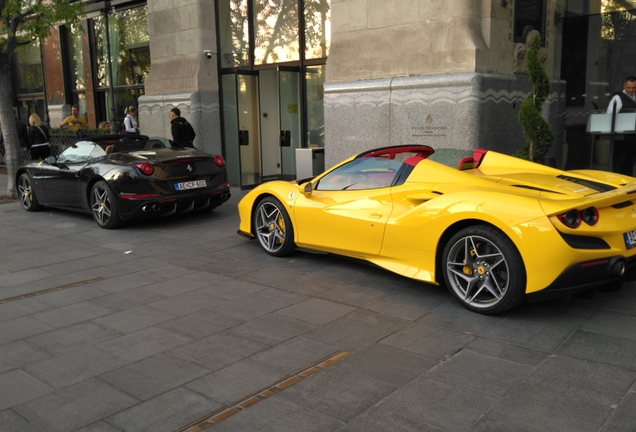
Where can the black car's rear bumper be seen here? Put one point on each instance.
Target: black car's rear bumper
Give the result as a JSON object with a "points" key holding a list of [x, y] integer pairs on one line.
{"points": [[164, 205]]}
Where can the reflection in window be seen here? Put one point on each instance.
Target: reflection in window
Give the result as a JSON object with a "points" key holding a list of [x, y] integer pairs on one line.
{"points": [[362, 173], [317, 28], [234, 33], [29, 68], [315, 80], [129, 47], [276, 31], [76, 56], [81, 151]]}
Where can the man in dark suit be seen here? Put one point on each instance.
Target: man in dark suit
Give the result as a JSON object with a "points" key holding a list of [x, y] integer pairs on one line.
{"points": [[624, 150]]}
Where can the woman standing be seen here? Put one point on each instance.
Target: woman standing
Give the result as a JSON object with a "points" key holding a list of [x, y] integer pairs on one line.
{"points": [[129, 122], [38, 138]]}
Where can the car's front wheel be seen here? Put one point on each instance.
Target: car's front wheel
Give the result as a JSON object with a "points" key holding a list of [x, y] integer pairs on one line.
{"points": [[273, 227], [104, 206], [484, 270], [26, 194]]}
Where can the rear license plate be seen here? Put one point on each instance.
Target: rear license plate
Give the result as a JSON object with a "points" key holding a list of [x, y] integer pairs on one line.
{"points": [[190, 185], [630, 239]]}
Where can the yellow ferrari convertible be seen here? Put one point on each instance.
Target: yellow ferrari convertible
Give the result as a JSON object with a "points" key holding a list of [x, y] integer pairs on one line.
{"points": [[496, 230]]}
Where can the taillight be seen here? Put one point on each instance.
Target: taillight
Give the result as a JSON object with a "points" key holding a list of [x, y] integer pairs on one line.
{"points": [[146, 168], [573, 218], [219, 161]]}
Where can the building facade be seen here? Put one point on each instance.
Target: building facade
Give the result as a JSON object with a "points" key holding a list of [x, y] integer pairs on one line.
{"points": [[259, 79]]}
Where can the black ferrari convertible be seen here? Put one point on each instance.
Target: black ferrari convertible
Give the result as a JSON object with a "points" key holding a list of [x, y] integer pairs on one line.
{"points": [[121, 177]]}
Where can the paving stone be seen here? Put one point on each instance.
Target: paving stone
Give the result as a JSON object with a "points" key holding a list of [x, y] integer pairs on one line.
{"points": [[128, 299], [252, 306], [21, 328], [357, 330], [412, 303], [454, 316], [24, 276], [12, 422], [379, 420], [74, 367], [185, 304], [99, 426], [17, 354], [231, 289], [144, 343], [202, 323], [20, 308], [74, 407], [429, 341], [132, 320], [441, 404], [72, 314], [236, 381], [19, 387], [271, 329], [173, 287], [338, 393], [75, 337], [155, 375], [535, 328], [388, 364], [294, 354], [624, 416], [206, 352], [506, 351], [167, 412], [601, 348], [623, 302], [316, 311], [277, 414], [481, 372]]}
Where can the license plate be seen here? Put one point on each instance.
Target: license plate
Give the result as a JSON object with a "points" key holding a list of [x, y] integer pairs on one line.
{"points": [[630, 239], [190, 185]]}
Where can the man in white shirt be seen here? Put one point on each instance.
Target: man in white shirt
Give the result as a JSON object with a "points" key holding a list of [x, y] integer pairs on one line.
{"points": [[624, 155]]}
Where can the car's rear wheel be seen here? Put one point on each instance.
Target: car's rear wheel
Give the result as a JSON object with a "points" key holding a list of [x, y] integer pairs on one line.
{"points": [[104, 206], [484, 270], [273, 227], [26, 194]]}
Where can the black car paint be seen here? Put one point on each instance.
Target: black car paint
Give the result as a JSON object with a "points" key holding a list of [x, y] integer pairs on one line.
{"points": [[69, 185]]}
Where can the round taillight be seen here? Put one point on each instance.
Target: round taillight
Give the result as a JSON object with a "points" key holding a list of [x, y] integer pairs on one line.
{"points": [[571, 219], [146, 168], [590, 216], [219, 161]]}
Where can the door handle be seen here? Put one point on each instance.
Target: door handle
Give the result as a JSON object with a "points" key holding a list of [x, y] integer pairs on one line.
{"points": [[375, 215]]}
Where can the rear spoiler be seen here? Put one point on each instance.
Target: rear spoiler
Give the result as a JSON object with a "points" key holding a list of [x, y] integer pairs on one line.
{"points": [[473, 161]]}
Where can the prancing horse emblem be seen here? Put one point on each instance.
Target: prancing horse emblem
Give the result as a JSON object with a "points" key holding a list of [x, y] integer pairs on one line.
{"points": [[189, 168]]}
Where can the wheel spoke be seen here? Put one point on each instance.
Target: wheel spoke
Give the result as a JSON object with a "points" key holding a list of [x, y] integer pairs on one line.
{"points": [[101, 206], [270, 227]]}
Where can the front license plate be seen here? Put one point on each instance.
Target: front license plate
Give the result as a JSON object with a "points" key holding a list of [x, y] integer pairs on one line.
{"points": [[190, 185], [630, 239]]}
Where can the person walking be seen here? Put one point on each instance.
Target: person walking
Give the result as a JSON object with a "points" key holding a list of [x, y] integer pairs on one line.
{"points": [[130, 124], [182, 131], [624, 155], [74, 122], [39, 137]]}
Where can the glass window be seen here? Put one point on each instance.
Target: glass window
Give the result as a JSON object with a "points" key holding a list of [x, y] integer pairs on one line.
{"points": [[129, 47], [81, 151], [361, 173], [234, 33], [29, 68], [315, 80], [317, 28], [276, 31], [76, 57], [529, 15]]}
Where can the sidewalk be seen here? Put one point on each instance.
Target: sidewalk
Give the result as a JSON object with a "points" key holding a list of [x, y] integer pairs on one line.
{"points": [[3, 181]]}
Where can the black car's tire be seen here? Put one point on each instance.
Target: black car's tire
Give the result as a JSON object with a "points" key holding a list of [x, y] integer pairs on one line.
{"points": [[26, 194], [484, 270], [104, 206], [273, 227]]}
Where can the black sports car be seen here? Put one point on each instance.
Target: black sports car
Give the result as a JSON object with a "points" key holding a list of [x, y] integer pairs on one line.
{"points": [[122, 177]]}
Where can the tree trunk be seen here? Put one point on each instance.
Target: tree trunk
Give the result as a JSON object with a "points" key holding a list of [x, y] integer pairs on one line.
{"points": [[13, 152]]}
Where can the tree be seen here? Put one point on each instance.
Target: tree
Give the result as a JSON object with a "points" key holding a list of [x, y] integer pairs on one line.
{"points": [[537, 131], [24, 21]]}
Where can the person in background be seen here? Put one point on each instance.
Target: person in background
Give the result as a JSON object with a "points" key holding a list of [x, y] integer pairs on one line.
{"points": [[182, 131], [624, 155], [74, 121], [104, 125], [39, 137], [130, 124]]}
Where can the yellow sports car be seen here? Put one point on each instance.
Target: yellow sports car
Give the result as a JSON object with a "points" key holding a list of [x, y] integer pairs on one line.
{"points": [[496, 230]]}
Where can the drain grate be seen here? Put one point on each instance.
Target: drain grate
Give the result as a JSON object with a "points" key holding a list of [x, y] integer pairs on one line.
{"points": [[259, 395], [50, 290]]}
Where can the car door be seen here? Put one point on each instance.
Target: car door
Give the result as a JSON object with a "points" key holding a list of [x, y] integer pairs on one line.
{"points": [[62, 183], [348, 209]]}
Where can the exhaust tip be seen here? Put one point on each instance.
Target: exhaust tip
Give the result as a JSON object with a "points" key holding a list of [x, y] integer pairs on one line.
{"points": [[618, 268], [156, 207]]}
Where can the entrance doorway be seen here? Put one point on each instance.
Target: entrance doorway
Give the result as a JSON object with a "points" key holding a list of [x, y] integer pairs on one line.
{"points": [[262, 124]]}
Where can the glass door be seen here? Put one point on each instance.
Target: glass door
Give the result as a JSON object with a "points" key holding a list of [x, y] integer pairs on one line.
{"points": [[242, 128], [290, 119]]}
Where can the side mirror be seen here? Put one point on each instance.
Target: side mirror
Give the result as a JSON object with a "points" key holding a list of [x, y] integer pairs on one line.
{"points": [[307, 189], [51, 160]]}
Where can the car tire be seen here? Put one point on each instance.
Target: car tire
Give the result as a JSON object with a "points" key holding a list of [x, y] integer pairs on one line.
{"points": [[273, 227], [26, 194], [104, 206], [484, 270]]}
